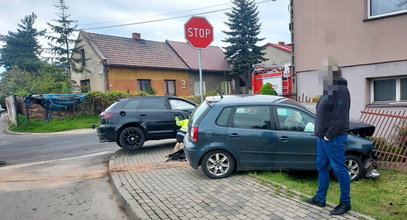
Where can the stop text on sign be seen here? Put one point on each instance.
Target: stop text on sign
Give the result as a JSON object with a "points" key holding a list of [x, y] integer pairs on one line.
{"points": [[199, 32]]}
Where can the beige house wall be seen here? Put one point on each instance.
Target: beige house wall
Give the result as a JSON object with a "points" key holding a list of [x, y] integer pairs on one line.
{"points": [[276, 56], [95, 70], [125, 79], [324, 28]]}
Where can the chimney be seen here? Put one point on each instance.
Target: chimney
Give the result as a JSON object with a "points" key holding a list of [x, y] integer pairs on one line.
{"points": [[136, 36], [281, 43]]}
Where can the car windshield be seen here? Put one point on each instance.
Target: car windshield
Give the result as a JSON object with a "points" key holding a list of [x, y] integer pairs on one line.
{"points": [[295, 103]]}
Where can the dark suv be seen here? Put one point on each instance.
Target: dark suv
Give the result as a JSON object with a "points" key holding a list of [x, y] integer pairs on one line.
{"points": [[130, 122], [259, 132]]}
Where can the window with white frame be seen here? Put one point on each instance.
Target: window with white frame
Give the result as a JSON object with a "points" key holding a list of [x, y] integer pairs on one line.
{"points": [[380, 8], [225, 87], [196, 88], [385, 90]]}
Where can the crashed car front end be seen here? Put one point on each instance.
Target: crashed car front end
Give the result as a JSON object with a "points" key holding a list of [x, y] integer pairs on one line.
{"points": [[369, 159], [370, 165]]}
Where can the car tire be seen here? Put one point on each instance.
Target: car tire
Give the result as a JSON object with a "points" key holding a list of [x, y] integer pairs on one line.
{"points": [[218, 164], [131, 138], [354, 165]]}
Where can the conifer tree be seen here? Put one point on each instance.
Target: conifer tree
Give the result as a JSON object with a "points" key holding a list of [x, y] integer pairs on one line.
{"points": [[62, 45], [22, 48], [244, 28]]}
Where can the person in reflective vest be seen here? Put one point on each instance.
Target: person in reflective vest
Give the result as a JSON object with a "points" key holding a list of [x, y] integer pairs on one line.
{"points": [[181, 133]]}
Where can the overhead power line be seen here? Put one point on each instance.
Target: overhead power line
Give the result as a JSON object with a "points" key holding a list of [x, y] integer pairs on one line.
{"points": [[170, 13], [171, 18]]}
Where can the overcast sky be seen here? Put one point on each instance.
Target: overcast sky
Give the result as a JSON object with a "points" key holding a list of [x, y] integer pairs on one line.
{"points": [[274, 17]]}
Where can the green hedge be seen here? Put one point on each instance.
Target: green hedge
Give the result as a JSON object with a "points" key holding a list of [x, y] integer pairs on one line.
{"points": [[96, 101]]}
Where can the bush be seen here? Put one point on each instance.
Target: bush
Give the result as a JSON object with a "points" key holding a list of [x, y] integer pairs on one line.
{"points": [[97, 101], [196, 99], [267, 89], [211, 93]]}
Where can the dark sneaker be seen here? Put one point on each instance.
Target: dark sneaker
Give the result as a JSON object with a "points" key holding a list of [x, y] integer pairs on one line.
{"points": [[340, 209], [315, 201], [2, 162]]}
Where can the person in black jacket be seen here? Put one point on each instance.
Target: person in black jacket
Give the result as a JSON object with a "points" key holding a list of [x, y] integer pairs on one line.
{"points": [[331, 124]]}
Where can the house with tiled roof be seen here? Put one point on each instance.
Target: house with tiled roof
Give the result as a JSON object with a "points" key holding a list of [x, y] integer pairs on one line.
{"points": [[135, 64], [215, 67], [130, 65], [278, 54]]}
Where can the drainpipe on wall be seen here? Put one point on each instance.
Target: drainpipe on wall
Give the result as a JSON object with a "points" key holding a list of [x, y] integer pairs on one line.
{"points": [[106, 69], [291, 27]]}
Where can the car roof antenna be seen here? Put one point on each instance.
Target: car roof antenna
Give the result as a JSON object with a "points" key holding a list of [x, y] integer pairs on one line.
{"points": [[220, 93]]}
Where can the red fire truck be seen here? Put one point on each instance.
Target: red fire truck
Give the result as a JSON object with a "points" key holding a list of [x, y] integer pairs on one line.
{"points": [[279, 77]]}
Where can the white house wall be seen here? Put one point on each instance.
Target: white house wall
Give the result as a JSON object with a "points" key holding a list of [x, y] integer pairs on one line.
{"points": [[96, 72]]}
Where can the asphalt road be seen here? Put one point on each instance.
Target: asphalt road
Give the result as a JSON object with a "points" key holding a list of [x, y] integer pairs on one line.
{"points": [[74, 188], [58, 176], [27, 148]]}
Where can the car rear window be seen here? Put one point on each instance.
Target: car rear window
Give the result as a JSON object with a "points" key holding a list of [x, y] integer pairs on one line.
{"points": [[224, 117], [132, 104], [199, 113], [112, 106]]}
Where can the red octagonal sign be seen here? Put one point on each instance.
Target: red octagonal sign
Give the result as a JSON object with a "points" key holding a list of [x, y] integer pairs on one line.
{"points": [[198, 32]]}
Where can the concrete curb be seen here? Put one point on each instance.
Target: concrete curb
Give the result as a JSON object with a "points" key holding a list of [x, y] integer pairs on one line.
{"points": [[131, 206], [76, 131]]}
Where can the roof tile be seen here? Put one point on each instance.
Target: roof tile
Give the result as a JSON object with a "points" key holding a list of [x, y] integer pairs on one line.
{"points": [[121, 51], [213, 58]]}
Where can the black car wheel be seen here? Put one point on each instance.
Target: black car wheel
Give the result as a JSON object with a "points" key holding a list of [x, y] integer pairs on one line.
{"points": [[218, 164], [354, 165], [131, 138]]}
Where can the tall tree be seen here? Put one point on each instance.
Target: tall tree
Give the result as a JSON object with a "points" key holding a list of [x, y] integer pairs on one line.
{"points": [[244, 28], [62, 45], [22, 48]]}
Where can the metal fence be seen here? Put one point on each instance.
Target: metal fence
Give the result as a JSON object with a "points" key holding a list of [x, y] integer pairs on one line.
{"points": [[390, 136], [300, 98]]}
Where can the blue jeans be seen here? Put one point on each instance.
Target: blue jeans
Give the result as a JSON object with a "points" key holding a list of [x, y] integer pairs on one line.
{"points": [[332, 153]]}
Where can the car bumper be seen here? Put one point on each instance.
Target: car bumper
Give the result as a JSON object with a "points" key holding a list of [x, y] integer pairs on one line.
{"points": [[192, 154], [370, 165], [107, 133]]}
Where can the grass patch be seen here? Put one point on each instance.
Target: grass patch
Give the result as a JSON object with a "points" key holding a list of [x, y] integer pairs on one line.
{"points": [[382, 198], [54, 125]]}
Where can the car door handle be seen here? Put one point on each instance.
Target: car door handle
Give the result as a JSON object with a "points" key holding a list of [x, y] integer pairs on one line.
{"points": [[283, 138], [234, 135], [143, 115]]}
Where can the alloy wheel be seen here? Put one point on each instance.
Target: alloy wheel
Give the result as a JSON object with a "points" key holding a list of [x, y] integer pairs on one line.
{"points": [[218, 164], [353, 168]]}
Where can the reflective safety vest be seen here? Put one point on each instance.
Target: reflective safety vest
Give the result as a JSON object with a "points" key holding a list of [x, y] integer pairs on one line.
{"points": [[182, 123]]}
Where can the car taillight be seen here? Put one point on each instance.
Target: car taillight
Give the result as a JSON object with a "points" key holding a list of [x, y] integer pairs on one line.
{"points": [[194, 134], [106, 115]]}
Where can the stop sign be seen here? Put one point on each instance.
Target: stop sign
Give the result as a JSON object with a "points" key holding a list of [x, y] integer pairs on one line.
{"points": [[198, 32]]}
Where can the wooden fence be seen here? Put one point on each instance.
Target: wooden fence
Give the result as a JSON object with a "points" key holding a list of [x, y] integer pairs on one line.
{"points": [[390, 136]]}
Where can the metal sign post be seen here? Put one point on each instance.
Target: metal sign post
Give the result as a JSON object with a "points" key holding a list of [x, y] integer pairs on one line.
{"points": [[199, 33], [200, 74]]}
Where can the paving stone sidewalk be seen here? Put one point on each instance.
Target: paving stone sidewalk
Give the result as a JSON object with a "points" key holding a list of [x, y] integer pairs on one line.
{"points": [[154, 189]]}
